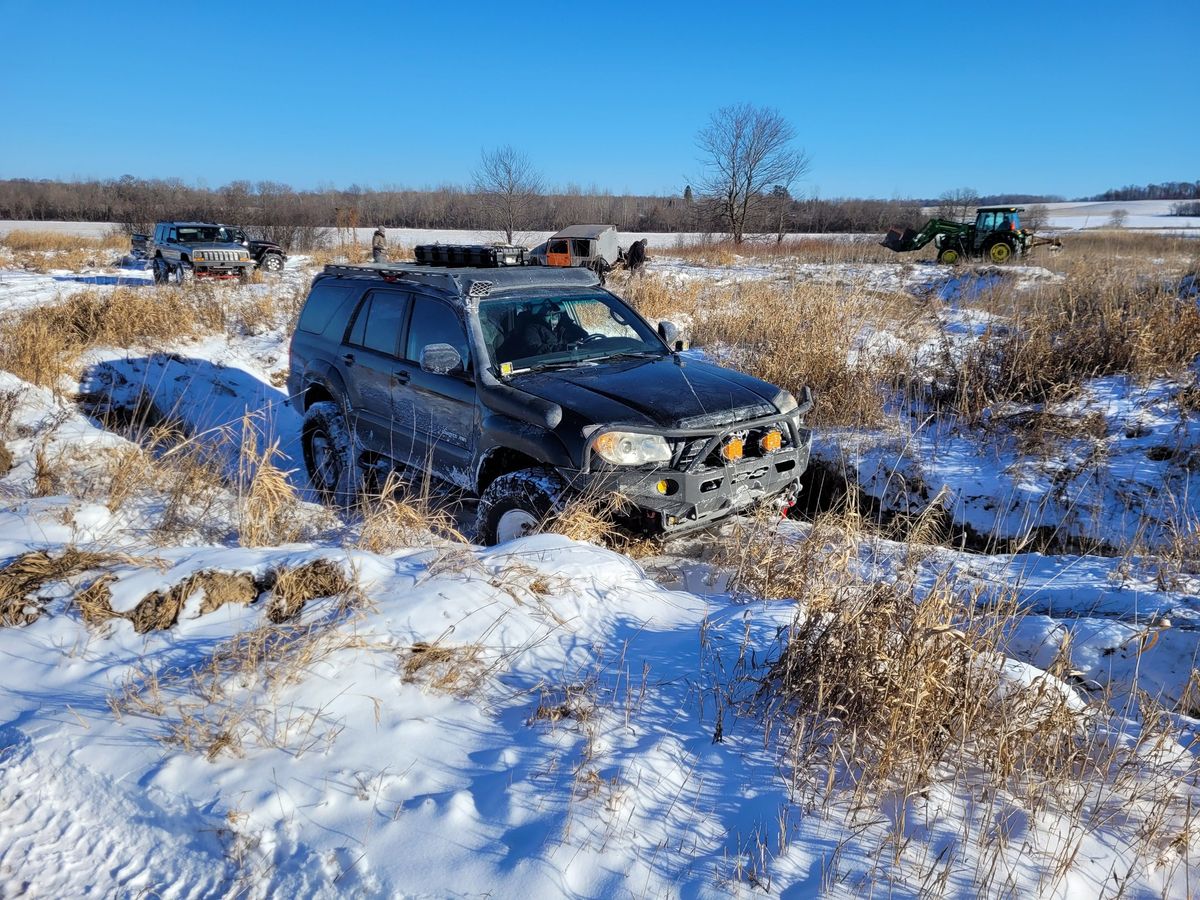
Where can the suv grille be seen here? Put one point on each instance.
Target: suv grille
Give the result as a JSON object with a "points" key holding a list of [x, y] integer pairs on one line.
{"points": [[221, 255]]}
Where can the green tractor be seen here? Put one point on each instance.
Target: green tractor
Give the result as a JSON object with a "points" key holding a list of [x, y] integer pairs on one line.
{"points": [[996, 236]]}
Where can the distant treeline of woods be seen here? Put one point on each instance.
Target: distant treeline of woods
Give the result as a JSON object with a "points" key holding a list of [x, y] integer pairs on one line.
{"points": [[300, 219]]}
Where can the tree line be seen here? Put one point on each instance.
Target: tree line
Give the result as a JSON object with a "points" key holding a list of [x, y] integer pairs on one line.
{"points": [[1168, 190], [297, 218]]}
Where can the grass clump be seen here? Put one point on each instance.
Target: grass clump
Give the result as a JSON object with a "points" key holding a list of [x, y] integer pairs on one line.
{"points": [[22, 577]]}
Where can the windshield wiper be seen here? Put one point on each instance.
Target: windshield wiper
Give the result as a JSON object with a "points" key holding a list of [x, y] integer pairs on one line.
{"points": [[557, 364], [628, 354]]}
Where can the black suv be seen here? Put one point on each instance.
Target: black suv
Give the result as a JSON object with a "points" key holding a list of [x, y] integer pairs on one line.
{"points": [[525, 385]]}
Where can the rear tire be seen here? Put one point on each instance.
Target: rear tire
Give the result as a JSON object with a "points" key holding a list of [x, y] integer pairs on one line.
{"points": [[518, 504], [329, 454], [998, 251]]}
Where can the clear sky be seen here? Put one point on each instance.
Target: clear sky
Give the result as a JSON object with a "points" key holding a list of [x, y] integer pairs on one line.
{"points": [[889, 99]]}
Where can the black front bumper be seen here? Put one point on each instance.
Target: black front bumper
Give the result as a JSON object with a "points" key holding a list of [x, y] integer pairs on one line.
{"points": [[700, 492]]}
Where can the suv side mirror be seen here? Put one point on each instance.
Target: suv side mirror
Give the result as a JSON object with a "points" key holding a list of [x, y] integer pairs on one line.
{"points": [[669, 332], [441, 359]]}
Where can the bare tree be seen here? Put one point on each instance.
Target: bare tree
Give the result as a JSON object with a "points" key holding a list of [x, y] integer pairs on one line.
{"points": [[958, 204], [745, 151], [1036, 217], [508, 186]]}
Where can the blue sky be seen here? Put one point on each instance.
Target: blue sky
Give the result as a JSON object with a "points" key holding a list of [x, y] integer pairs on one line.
{"points": [[889, 99]]}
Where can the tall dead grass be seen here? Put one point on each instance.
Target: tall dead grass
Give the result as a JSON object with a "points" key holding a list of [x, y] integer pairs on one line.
{"points": [[881, 696], [1106, 319], [43, 344], [791, 333]]}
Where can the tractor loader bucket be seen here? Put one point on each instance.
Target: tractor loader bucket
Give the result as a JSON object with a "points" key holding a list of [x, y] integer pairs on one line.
{"points": [[899, 239]]}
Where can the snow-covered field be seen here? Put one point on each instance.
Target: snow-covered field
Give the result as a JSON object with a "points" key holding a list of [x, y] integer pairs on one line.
{"points": [[548, 717]]}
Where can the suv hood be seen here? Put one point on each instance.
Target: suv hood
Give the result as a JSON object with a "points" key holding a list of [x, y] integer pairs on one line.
{"points": [[212, 245], [663, 392]]}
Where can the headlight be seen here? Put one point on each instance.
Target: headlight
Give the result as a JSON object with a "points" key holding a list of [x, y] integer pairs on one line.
{"points": [[785, 402], [622, 448]]}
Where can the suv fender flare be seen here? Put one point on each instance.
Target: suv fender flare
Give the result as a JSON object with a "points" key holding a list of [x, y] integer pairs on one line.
{"points": [[322, 374], [500, 433]]}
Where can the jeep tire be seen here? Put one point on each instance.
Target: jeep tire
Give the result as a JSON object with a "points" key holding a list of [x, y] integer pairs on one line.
{"points": [[272, 263], [162, 272], [329, 454], [518, 504]]}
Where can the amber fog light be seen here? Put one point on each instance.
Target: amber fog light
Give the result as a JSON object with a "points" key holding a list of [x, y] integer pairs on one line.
{"points": [[733, 449], [666, 487], [770, 442]]}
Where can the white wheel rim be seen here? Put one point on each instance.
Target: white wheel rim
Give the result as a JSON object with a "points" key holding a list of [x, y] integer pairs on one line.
{"points": [[516, 523]]}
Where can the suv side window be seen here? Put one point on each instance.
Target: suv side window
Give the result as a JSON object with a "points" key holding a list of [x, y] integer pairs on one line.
{"points": [[435, 323], [379, 321]]}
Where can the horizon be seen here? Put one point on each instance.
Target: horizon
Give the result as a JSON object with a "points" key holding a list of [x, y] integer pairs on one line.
{"points": [[601, 109]]}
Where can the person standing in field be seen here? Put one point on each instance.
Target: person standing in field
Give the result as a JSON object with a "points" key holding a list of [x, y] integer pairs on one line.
{"points": [[379, 245], [636, 257]]}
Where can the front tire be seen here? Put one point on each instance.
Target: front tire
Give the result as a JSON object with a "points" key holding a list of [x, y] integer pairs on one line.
{"points": [[184, 274], [949, 256], [518, 504], [162, 274], [272, 263]]}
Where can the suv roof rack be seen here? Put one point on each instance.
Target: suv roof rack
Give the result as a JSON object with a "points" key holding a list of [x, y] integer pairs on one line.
{"points": [[388, 271]]}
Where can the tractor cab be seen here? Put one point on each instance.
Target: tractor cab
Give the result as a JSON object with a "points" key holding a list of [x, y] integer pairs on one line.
{"points": [[997, 218]]}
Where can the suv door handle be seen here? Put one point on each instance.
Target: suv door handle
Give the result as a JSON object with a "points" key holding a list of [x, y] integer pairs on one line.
{"points": [[401, 376], [348, 359]]}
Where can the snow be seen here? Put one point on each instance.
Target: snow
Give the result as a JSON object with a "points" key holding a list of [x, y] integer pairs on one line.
{"points": [[569, 744]]}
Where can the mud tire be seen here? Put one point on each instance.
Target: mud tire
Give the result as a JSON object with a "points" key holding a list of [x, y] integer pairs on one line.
{"points": [[330, 457], [272, 264], [527, 497]]}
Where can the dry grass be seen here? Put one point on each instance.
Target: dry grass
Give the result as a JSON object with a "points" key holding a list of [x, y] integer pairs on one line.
{"points": [[882, 695], [44, 241], [295, 587], [457, 669], [43, 251], [269, 508], [861, 248], [1108, 319], [404, 514], [813, 337], [23, 577], [43, 344]]}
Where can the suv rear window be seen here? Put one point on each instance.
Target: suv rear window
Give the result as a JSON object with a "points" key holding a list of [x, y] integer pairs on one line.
{"points": [[325, 299]]}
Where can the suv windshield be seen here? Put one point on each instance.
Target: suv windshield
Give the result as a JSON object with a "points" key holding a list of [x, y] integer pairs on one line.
{"points": [[530, 333], [204, 234]]}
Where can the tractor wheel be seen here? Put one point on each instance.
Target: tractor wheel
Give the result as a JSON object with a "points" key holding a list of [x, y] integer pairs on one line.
{"points": [[999, 252], [949, 256]]}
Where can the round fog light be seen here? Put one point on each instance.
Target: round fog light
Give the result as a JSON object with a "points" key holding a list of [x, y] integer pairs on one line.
{"points": [[666, 487]]}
